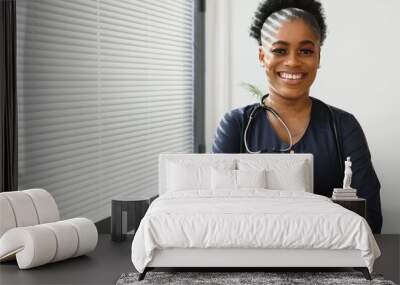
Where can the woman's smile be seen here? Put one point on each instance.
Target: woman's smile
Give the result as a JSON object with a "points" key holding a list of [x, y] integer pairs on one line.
{"points": [[292, 78]]}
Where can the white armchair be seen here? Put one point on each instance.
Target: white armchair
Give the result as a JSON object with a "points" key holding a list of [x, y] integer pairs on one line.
{"points": [[31, 232]]}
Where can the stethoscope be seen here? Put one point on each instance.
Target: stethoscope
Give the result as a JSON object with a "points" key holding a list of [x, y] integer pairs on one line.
{"points": [[262, 106]]}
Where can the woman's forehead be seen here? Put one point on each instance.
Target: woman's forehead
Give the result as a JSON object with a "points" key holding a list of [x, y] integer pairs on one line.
{"points": [[290, 32]]}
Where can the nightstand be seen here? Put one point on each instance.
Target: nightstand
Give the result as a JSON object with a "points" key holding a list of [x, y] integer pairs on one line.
{"points": [[357, 205], [126, 213]]}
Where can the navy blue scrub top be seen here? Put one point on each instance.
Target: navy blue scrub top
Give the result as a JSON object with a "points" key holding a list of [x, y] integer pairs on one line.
{"points": [[319, 140]]}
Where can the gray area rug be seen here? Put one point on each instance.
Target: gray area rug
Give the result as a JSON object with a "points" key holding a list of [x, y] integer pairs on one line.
{"points": [[273, 278]]}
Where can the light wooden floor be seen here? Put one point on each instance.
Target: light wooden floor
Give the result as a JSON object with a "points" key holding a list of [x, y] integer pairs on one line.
{"points": [[111, 259]]}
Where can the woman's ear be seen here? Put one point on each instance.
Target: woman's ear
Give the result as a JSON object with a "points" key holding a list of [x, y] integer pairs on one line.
{"points": [[261, 56]]}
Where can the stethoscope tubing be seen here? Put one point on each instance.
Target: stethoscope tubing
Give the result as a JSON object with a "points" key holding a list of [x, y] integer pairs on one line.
{"points": [[262, 106]]}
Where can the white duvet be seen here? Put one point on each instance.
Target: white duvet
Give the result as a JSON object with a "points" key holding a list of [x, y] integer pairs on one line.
{"points": [[250, 219]]}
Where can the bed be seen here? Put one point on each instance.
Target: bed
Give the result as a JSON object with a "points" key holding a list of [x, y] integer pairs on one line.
{"points": [[247, 210]]}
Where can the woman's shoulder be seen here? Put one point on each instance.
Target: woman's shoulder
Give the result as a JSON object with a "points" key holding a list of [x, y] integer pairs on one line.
{"points": [[239, 114], [346, 121], [229, 132], [338, 113]]}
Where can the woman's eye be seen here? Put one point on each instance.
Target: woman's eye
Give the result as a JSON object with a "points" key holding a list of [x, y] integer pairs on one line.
{"points": [[306, 51], [279, 51]]}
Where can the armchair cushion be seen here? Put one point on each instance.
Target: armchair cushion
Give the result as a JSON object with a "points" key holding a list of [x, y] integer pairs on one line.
{"points": [[27, 208], [40, 244]]}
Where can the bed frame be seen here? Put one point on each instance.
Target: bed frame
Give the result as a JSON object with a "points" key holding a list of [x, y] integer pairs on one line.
{"points": [[246, 258], [242, 259]]}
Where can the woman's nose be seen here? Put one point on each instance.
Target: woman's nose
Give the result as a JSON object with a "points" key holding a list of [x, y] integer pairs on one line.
{"points": [[292, 60]]}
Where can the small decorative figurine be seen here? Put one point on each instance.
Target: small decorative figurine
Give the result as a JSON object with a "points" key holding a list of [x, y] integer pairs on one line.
{"points": [[347, 174]]}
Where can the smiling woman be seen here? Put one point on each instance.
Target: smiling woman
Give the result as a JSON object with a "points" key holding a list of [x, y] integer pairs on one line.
{"points": [[290, 34]]}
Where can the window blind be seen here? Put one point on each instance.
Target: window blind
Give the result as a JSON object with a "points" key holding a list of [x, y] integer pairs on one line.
{"points": [[103, 87]]}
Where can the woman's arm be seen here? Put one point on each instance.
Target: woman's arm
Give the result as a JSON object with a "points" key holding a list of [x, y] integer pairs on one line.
{"points": [[364, 178], [228, 134]]}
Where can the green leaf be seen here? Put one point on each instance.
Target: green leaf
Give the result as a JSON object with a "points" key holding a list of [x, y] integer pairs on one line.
{"points": [[254, 90]]}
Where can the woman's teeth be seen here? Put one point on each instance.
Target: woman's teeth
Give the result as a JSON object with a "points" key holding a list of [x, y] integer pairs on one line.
{"points": [[291, 76]]}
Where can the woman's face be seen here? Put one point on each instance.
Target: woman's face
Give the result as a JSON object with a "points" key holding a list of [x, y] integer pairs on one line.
{"points": [[291, 59]]}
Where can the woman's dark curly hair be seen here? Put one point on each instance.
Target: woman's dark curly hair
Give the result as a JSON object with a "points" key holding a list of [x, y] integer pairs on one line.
{"points": [[268, 7]]}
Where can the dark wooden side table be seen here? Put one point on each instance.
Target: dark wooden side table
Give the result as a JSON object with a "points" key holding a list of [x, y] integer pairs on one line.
{"points": [[357, 205], [126, 213]]}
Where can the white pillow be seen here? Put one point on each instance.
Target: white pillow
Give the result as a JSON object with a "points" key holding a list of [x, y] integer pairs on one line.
{"points": [[281, 174], [193, 175], [223, 179], [183, 178], [227, 179], [292, 178], [251, 178]]}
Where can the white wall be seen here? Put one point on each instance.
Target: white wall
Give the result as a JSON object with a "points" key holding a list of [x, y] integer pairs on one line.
{"points": [[360, 63]]}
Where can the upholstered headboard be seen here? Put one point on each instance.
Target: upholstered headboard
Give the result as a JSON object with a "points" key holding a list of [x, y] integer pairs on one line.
{"points": [[275, 162]]}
